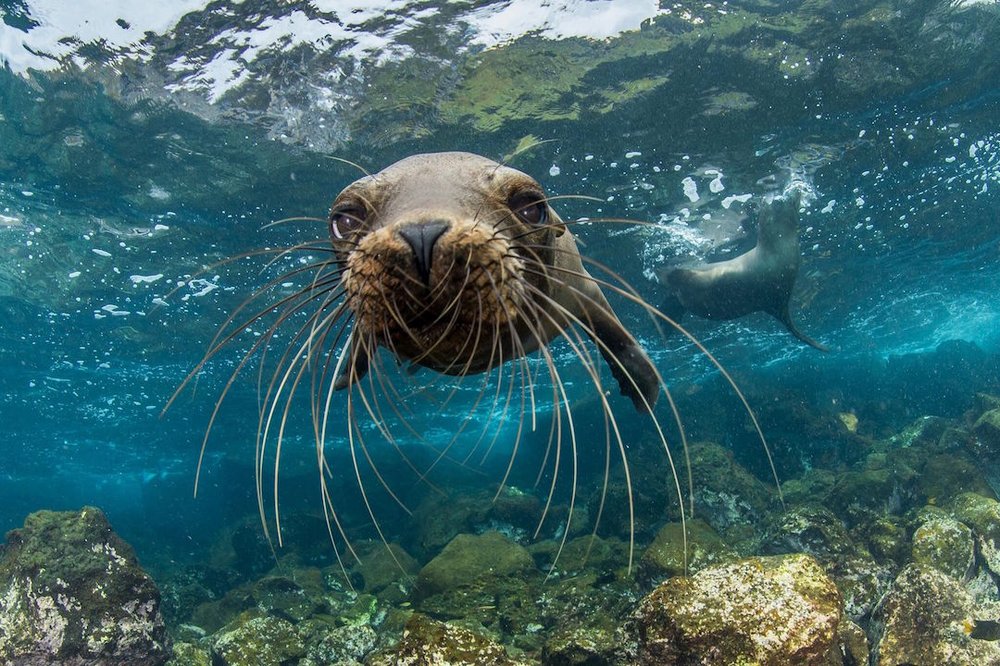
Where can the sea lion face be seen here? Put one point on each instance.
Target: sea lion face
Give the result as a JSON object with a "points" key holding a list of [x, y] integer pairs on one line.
{"points": [[444, 255]]}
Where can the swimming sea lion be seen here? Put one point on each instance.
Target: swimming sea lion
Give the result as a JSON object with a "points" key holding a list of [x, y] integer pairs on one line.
{"points": [[457, 263], [758, 280], [448, 261]]}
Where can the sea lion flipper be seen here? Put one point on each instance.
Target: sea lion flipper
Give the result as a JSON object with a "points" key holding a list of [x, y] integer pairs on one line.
{"points": [[786, 318], [356, 369], [630, 366]]}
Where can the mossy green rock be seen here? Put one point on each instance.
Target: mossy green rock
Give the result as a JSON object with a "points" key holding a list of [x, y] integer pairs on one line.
{"points": [[987, 429], [427, 642], [768, 611], [727, 496], [926, 619], [258, 641], [468, 557], [186, 654], [382, 565], [982, 514], [72, 592], [665, 556], [809, 529], [581, 646], [946, 545]]}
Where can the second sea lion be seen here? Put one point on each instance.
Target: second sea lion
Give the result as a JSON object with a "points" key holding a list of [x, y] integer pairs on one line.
{"points": [[759, 280]]}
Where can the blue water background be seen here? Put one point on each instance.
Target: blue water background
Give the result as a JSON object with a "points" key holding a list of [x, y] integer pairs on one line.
{"points": [[900, 278]]}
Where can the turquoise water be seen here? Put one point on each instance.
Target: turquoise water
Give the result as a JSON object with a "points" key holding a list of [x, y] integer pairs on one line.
{"points": [[134, 162]]}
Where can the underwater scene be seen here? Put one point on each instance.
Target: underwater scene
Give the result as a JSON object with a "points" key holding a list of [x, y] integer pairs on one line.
{"points": [[575, 332]]}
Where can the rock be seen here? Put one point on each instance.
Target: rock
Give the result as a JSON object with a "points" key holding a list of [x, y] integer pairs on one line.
{"points": [[382, 565], [604, 555], [853, 644], [336, 645], [927, 618], [987, 431], [430, 643], [726, 496], [186, 654], [761, 610], [814, 530], [946, 545], [72, 592], [258, 641], [809, 529], [582, 646], [664, 557], [468, 557], [982, 514]]}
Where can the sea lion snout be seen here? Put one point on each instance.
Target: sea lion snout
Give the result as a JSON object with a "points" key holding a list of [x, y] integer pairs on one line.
{"points": [[421, 238]]}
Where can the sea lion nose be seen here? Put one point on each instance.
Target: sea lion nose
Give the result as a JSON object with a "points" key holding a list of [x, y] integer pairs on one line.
{"points": [[421, 237]]}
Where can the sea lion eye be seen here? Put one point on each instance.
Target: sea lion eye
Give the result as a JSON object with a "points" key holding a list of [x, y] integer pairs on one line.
{"points": [[530, 207], [346, 219]]}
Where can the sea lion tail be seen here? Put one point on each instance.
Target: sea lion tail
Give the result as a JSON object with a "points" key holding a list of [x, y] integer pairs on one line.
{"points": [[786, 319]]}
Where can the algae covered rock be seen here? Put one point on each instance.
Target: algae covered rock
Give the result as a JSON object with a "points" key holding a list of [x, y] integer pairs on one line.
{"points": [[947, 545], [581, 646], [982, 514], [468, 557], [761, 610], [431, 643], [987, 431], [665, 556], [71, 591], [927, 618], [258, 641]]}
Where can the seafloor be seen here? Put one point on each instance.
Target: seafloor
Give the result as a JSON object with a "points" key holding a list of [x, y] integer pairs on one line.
{"points": [[886, 550]]}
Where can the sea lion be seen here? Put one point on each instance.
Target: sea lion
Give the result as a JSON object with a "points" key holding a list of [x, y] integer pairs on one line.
{"points": [[457, 263], [761, 279], [452, 262]]}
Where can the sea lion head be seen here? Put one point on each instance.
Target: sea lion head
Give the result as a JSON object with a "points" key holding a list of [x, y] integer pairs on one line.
{"points": [[446, 256]]}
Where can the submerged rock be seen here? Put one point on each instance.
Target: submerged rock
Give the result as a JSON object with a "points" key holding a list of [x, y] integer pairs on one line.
{"points": [[431, 643], [987, 430], [927, 618], [982, 514], [761, 610], [946, 545], [258, 641], [665, 558], [468, 557], [72, 592]]}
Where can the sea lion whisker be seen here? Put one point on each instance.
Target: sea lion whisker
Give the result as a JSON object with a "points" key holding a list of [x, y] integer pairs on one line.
{"points": [[630, 294], [517, 352], [465, 423], [294, 218], [216, 345], [364, 449], [662, 436], [353, 429], [273, 397], [595, 378], [261, 342], [350, 163]]}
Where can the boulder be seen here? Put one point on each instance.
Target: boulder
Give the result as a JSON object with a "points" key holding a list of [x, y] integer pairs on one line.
{"points": [[946, 545], [469, 557], [431, 643], [664, 557], [927, 618], [72, 592], [761, 610]]}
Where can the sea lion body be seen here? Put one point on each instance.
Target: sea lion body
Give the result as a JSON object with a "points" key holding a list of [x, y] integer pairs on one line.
{"points": [[457, 263], [760, 280]]}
